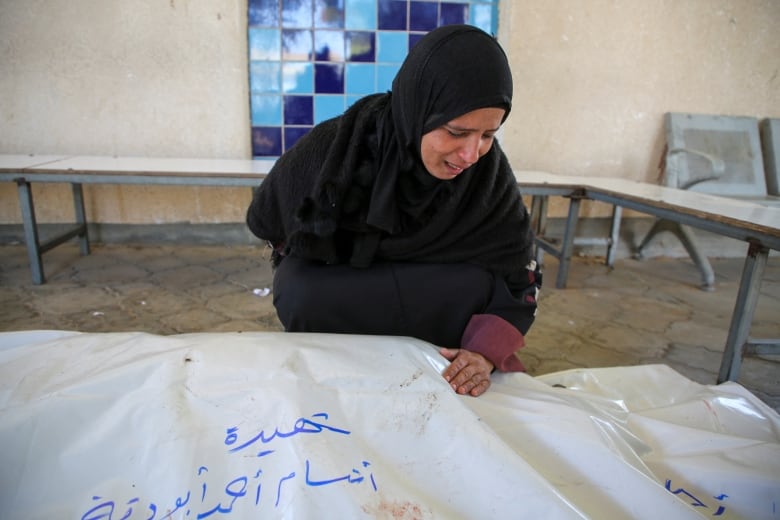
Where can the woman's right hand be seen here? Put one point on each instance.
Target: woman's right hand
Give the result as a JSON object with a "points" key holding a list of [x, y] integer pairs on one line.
{"points": [[468, 373]]}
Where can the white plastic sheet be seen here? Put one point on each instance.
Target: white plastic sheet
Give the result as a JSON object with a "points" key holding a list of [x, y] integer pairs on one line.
{"points": [[266, 425]]}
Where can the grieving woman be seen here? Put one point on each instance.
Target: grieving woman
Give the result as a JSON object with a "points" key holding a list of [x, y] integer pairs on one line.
{"points": [[402, 217]]}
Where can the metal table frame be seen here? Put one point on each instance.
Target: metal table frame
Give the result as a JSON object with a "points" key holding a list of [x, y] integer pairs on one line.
{"points": [[247, 173], [760, 239]]}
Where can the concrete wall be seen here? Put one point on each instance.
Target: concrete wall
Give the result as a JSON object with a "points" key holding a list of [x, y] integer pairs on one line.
{"points": [[594, 78], [169, 78], [163, 78]]}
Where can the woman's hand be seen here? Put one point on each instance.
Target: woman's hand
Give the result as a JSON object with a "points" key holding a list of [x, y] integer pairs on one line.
{"points": [[468, 373]]}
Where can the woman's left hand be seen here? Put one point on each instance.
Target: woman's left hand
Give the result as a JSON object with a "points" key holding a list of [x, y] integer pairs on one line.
{"points": [[468, 373]]}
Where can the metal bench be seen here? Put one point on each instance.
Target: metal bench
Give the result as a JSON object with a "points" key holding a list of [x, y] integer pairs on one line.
{"points": [[77, 171]]}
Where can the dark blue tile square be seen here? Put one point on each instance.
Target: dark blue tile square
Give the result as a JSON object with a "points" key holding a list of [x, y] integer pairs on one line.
{"points": [[328, 78], [266, 141], [361, 46], [423, 16], [414, 38], [452, 13], [329, 14], [298, 110], [392, 15], [263, 13], [292, 134]]}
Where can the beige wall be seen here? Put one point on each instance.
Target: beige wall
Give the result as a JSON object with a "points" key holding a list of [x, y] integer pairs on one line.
{"points": [[161, 78], [169, 78], [594, 78]]}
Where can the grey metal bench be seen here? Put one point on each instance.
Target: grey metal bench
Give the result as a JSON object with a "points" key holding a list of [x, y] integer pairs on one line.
{"points": [[755, 224], [25, 170]]}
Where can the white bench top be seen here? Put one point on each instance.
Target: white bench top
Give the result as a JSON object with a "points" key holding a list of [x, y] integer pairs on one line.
{"points": [[10, 163], [154, 166], [745, 214]]}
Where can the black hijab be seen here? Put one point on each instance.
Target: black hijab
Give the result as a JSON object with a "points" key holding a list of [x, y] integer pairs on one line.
{"points": [[354, 189], [451, 71]]}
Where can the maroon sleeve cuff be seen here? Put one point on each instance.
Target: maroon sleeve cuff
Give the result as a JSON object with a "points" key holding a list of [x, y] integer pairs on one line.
{"points": [[496, 339]]}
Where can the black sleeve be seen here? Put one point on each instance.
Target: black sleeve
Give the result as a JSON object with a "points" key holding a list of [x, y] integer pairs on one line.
{"points": [[514, 297], [276, 203]]}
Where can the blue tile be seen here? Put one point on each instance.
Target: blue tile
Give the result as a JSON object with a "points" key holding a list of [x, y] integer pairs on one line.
{"points": [[329, 14], [298, 110], [266, 141], [326, 107], [264, 76], [392, 15], [360, 78], [360, 46], [351, 98], [423, 16], [328, 78], [292, 134], [414, 38], [391, 46], [296, 45], [310, 59], [264, 13], [297, 13], [329, 45], [297, 78], [385, 75], [483, 16], [266, 110], [453, 13], [360, 15], [264, 44]]}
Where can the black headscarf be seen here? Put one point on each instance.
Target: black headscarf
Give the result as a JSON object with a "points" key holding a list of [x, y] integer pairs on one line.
{"points": [[451, 71], [354, 189]]}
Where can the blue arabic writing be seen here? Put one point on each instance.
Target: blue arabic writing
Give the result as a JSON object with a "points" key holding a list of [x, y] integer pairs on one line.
{"points": [[237, 489], [353, 478], [695, 502], [302, 425]]}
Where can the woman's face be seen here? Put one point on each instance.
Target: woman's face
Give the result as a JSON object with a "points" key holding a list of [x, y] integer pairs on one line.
{"points": [[453, 147]]}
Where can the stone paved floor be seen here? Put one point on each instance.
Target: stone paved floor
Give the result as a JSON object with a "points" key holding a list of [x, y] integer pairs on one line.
{"points": [[637, 313]]}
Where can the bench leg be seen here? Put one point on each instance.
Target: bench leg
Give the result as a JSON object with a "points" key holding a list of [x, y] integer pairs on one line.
{"points": [[539, 223], [563, 254], [81, 218], [654, 230], [30, 231], [683, 233], [614, 234], [568, 242], [701, 261], [744, 308]]}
